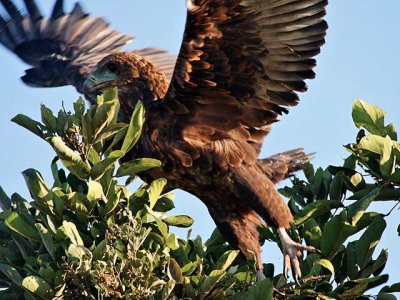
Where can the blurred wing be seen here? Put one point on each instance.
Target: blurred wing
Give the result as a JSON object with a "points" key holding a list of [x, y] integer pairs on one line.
{"points": [[61, 49], [240, 66]]}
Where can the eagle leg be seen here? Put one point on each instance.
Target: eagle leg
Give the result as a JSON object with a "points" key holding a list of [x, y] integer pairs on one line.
{"points": [[239, 228], [291, 251]]}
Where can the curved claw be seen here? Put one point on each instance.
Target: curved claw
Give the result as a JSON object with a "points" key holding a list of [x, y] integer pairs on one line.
{"points": [[291, 252]]}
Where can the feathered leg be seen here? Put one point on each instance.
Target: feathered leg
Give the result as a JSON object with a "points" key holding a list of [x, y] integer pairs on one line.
{"points": [[240, 230], [261, 196]]}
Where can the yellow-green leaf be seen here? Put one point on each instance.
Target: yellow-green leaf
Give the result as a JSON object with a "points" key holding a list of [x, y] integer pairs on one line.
{"points": [[135, 128], [326, 264], [13, 221], [38, 286], [136, 166], [155, 190]]}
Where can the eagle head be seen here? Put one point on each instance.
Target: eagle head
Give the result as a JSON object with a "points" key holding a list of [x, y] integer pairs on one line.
{"points": [[135, 77]]}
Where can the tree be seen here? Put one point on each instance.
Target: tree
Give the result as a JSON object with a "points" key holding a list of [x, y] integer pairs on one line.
{"points": [[87, 236]]}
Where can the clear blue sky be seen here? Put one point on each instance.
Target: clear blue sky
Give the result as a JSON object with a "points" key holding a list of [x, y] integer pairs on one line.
{"points": [[360, 60]]}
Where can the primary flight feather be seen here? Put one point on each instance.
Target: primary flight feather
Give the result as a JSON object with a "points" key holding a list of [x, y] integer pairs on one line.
{"points": [[240, 66]]}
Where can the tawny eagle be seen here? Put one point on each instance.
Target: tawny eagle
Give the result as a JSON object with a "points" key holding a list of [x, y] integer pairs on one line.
{"points": [[239, 68]]}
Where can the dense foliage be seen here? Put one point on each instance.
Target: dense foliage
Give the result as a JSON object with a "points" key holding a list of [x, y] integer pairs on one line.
{"points": [[87, 236]]}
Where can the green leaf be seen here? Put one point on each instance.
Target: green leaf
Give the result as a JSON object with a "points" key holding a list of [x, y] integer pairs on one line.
{"points": [[168, 289], [112, 202], [155, 190], [388, 159], [260, 290], [312, 233], [336, 187], [326, 264], [95, 191], [100, 250], [179, 221], [5, 201], [108, 132], [11, 273], [110, 94], [386, 296], [135, 128], [69, 230], [174, 270], [38, 286], [13, 221], [225, 261], [79, 107], [62, 122], [367, 243], [394, 288], [164, 203], [105, 114], [370, 117], [377, 266], [103, 166], [315, 210], [32, 125], [358, 208], [210, 281], [70, 159], [47, 239], [359, 286], [87, 126], [136, 166], [36, 184], [331, 243], [48, 118], [391, 131], [172, 241], [317, 182], [375, 144], [352, 269]]}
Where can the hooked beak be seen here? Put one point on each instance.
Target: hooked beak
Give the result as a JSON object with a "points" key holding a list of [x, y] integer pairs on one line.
{"points": [[97, 81], [89, 85]]}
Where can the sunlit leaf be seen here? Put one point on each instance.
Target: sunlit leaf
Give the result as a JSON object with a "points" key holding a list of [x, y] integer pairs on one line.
{"points": [[369, 116], [38, 286], [326, 264], [358, 208], [47, 239], [367, 243], [135, 128], [13, 221], [136, 166], [179, 221], [315, 210], [155, 190]]}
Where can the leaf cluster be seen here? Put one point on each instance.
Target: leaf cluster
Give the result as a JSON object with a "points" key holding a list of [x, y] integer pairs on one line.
{"points": [[88, 236]]}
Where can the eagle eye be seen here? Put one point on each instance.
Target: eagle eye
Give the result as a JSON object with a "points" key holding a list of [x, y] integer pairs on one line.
{"points": [[112, 67]]}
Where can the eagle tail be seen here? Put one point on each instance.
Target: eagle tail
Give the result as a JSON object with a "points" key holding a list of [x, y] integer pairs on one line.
{"points": [[282, 165]]}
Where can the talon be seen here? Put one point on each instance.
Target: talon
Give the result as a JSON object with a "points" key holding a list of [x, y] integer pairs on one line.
{"points": [[260, 275], [291, 251]]}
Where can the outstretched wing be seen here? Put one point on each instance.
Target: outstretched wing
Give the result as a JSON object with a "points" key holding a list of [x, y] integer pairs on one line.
{"points": [[61, 49], [240, 66]]}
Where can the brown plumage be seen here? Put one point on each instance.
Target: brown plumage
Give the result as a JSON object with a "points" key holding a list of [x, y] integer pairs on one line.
{"points": [[240, 67]]}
